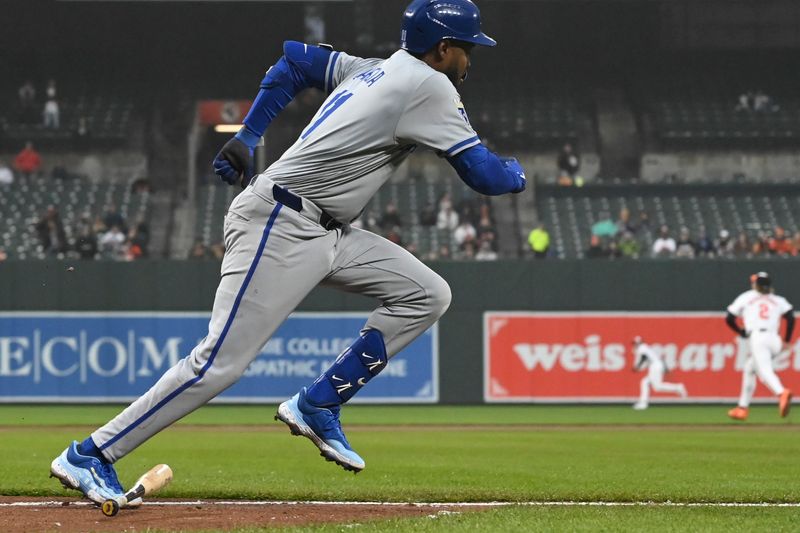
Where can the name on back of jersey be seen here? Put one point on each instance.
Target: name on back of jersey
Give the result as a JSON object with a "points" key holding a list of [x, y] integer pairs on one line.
{"points": [[371, 76]]}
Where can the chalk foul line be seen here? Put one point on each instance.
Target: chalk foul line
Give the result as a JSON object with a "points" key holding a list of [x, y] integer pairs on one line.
{"points": [[168, 503]]}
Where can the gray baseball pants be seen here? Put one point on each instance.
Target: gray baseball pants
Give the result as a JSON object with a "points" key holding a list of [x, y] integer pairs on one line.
{"points": [[274, 257]]}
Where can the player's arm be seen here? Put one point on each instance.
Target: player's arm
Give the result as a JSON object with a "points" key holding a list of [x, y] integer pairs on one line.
{"points": [[789, 317], [301, 66], [730, 320], [487, 173]]}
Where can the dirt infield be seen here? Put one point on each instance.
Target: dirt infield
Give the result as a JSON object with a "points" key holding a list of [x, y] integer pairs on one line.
{"points": [[69, 515]]}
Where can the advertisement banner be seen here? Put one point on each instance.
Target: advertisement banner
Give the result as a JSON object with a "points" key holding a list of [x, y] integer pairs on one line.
{"points": [[588, 357], [85, 357]]}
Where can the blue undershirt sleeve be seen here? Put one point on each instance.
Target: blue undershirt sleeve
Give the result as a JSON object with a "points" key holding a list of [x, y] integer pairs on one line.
{"points": [[485, 172], [301, 66]]}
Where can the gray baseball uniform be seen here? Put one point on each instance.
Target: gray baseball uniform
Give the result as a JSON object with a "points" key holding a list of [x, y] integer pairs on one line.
{"points": [[377, 113]]}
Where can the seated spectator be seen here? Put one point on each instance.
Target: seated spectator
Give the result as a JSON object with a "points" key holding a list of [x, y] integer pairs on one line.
{"points": [[742, 248], [217, 250], [447, 219], [3, 254], [539, 241], [6, 176], [199, 251], [86, 244], [138, 238], [762, 103], [685, 247], [444, 252], [644, 221], [705, 245], [28, 161], [724, 244], [760, 245], [796, 241], [486, 231], [468, 251], [412, 249], [595, 250], [780, 244], [624, 222], [394, 236], [485, 252], [50, 231], [445, 201], [664, 245], [391, 217], [112, 243], [628, 246], [464, 233], [604, 227], [745, 102], [98, 226], [613, 251], [141, 186]]}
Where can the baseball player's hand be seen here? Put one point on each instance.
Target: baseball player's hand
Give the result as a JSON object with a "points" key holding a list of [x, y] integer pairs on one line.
{"points": [[744, 334], [234, 163], [512, 165]]}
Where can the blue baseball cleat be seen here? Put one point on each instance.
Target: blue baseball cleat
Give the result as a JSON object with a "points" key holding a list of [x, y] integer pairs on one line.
{"points": [[95, 479], [321, 425]]}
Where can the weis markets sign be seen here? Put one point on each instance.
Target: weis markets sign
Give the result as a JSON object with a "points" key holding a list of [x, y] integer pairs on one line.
{"points": [[73, 357], [554, 357]]}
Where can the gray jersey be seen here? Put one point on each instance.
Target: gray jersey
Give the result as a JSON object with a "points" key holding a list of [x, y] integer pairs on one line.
{"points": [[377, 113]]}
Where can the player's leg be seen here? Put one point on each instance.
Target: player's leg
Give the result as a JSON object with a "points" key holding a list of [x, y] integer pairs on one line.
{"points": [[274, 258], [644, 394], [765, 347], [748, 388], [412, 298], [659, 385]]}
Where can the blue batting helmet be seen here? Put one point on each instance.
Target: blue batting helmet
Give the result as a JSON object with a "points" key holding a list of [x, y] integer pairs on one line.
{"points": [[426, 22]]}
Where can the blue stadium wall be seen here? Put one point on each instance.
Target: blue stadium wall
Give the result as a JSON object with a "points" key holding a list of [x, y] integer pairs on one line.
{"points": [[477, 287]]}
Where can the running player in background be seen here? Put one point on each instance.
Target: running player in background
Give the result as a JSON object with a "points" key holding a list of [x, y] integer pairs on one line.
{"points": [[643, 356], [761, 311]]}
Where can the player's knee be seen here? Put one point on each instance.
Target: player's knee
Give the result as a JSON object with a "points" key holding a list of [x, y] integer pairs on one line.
{"points": [[439, 296]]}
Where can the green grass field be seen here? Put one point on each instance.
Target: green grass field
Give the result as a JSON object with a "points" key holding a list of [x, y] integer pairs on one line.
{"points": [[458, 454]]}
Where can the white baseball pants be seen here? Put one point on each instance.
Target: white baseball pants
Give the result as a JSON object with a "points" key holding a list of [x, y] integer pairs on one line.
{"points": [[655, 380], [763, 347]]}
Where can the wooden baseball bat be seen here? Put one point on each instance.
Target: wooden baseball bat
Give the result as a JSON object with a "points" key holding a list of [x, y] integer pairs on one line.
{"points": [[154, 479]]}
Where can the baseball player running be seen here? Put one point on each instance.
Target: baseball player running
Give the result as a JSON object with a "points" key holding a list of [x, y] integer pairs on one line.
{"points": [[643, 356], [289, 231], [761, 311]]}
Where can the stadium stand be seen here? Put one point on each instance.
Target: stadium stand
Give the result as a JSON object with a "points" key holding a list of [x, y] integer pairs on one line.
{"points": [[753, 210], [78, 202]]}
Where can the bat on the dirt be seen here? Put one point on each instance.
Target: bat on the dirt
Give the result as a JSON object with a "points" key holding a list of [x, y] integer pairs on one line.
{"points": [[155, 479]]}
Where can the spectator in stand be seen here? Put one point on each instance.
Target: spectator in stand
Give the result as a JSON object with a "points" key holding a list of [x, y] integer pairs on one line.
{"points": [[569, 163], [628, 246], [539, 241], [217, 250], [745, 102], [762, 103], [685, 247], [391, 217], [3, 254], [444, 252], [445, 201], [613, 251], [6, 176], [624, 222], [486, 230], [664, 245], [780, 244], [112, 217], [199, 251], [760, 244], [796, 241], [98, 226], [464, 233], [468, 251], [705, 245], [51, 91], [447, 219], [86, 244], [724, 244], [605, 227], [644, 221], [51, 114], [112, 243], [395, 236], [742, 248], [50, 231], [485, 252], [27, 102], [137, 242], [595, 250], [412, 249], [28, 162]]}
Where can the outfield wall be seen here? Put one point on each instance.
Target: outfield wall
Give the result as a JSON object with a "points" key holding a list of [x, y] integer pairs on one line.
{"points": [[649, 286]]}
